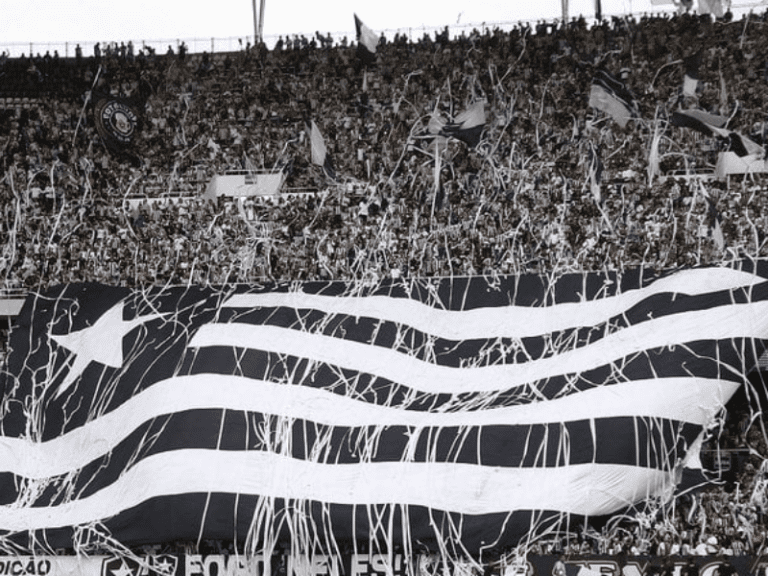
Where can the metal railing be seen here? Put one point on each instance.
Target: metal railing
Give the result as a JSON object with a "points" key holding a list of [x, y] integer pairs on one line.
{"points": [[66, 49]]}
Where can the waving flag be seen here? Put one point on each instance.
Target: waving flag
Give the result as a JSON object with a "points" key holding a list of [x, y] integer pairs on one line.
{"points": [[700, 121], [319, 151], [367, 41], [118, 122], [446, 412], [713, 125], [743, 146], [467, 126], [611, 96], [714, 7], [717, 227], [691, 76]]}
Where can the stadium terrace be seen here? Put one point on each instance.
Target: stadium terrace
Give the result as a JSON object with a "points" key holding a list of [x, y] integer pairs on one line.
{"points": [[369, 306]]}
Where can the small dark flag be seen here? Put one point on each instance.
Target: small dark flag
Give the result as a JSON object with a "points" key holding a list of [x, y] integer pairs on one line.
{"points": [[717, 229], [714, 218]]}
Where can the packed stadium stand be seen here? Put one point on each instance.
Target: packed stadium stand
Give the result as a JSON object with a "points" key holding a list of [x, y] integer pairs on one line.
{"points": [[552, 184]]}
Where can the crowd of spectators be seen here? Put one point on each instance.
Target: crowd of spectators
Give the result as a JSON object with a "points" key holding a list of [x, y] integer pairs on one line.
{"points": [[518, 201], [401, 204]]}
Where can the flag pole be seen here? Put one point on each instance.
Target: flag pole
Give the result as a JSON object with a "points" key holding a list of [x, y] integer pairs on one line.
{"points": [[85, 105], [255, 23], [437, 178], [261, 19]]}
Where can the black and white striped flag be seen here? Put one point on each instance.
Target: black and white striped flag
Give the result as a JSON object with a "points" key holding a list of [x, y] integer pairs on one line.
{"points": [[454, 412]]}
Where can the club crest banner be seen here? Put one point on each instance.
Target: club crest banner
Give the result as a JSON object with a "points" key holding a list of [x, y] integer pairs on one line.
{"points": [[118, 121]]}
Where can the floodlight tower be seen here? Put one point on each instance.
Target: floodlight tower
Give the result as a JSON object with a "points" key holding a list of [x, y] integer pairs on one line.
{"points": [[261, 19], [258, 21]]}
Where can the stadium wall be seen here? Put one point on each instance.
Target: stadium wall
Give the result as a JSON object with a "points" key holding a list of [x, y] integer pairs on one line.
{"points": [[377, 565]]}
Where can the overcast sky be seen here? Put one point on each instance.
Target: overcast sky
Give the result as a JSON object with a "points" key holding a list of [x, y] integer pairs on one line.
{"points": [[49, 22]]}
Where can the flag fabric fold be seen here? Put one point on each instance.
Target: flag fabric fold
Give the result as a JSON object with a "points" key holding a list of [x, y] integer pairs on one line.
{"points": [[398, 412], [468, 125]]}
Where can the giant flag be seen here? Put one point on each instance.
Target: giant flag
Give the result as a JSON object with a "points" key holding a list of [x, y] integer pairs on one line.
{"points": [[467, 412]]}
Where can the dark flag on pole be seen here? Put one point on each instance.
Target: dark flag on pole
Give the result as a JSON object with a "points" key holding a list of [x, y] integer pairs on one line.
{"points": [[717, 228], [743, 146]]}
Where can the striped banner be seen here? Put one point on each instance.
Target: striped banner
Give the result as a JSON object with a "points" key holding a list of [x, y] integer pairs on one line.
{"points": [[455, 413]]}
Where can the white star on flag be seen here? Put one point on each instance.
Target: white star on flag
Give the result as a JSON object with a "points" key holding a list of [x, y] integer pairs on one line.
{"points": [[164, 567], [102, 342], [122, 571]]}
